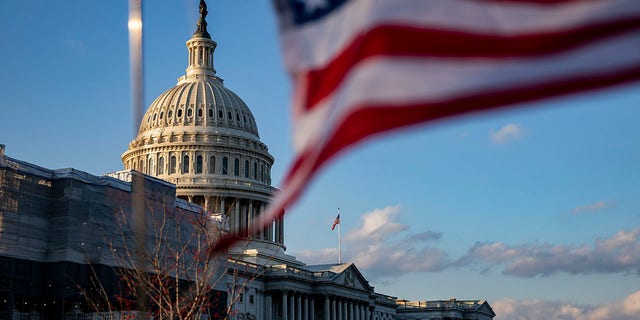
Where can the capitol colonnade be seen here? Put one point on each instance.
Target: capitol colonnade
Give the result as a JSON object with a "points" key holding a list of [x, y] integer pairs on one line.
{"points": [[296, 305]]}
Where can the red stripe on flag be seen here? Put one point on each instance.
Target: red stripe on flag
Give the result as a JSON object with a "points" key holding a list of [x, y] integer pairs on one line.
{"points": [[396, 40], [367, 121]]}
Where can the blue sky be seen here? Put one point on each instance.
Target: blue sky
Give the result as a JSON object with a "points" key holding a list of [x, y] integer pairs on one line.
{"points": [[535, 209]]}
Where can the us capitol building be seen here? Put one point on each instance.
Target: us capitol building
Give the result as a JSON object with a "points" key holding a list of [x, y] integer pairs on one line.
{"points": [[199, 145]]}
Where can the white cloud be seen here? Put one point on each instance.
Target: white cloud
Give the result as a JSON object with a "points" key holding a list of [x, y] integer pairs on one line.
{"points": [[618, 253], [507, 133], [377, 225], [507, 309], [600, 205], [382, 247]]}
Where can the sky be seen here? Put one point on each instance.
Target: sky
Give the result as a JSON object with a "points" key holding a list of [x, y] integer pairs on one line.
{"points": [[534, 209]]}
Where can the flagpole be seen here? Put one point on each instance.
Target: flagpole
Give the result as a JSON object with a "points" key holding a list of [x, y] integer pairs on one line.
{"points": [[339, 242]]}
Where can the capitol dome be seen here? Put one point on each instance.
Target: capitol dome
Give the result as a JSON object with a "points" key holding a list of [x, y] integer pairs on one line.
{"points": [[201, 102], [203, 138]]}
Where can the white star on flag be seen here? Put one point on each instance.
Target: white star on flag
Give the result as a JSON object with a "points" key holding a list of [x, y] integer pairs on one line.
{"points": [[311, 6]]}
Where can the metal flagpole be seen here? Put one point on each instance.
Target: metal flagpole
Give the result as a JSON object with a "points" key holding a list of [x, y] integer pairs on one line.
{"points": [[339, 243]]}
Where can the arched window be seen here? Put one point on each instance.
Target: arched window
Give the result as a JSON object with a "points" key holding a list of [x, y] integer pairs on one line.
{"points": [[151, 166], [236, 167], [141, 166], [185, 164], [261, 173], [255, 170], [199, 164], [161, 165], [246, 168], [225, 165], [172, 164], [212, 164]]}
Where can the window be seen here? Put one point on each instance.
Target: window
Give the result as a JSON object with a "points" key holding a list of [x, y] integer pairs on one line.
{"points": [[199, 112], [179, 113], [236, 167], [229, 115], [225, 165], [172, 164], [185, 164], [255, 170], [151, 166], [261, 173], [189, 112], [220, 114], [199, 164], [250, 299], [210, 113], [212, 164], [161, 165], [161, 114], [246, 168]]}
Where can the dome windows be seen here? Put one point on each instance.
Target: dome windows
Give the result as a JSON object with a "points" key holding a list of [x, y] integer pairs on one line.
{"points": [[246, 168], [161, 114], [185, 164], [179, 113], [212, 164], [190, 112], [225, 165], [169, 114], [236, 167], [220, 114], [210, 113], [161, 165], [229, 115], [172, 164], [200, 112], [199, 164]]}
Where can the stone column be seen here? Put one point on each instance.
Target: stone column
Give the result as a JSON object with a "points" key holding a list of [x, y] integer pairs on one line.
{"points": [[299, 307], [356, 310], [281, 231], [327, 309], [334, 309], [285, 308], [339, 311], [236, 216], [352, 314], [250, 217], [305, 313], [312, 308], [292, 306], [261, 212], [223, 210], [267, 306]]}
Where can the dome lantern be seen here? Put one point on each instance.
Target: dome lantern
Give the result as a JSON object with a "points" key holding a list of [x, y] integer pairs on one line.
{"points": [[201, 49]]}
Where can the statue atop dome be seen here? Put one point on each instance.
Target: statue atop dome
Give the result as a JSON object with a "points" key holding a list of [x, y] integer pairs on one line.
{"points": [[201, 29]]}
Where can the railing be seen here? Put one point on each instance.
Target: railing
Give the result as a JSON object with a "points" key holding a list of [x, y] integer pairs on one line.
{"points": [[445, 304]]}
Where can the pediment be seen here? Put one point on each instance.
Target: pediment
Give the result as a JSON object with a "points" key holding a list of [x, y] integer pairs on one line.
{"points": [[351, 277]]}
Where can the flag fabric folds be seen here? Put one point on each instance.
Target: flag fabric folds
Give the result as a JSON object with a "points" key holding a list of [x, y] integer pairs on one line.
{"points": [[363, 67], [335, 222]]}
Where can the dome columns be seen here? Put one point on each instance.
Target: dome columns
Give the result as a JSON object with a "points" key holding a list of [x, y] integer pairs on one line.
{"points": [[242, 212], [201, 57]]}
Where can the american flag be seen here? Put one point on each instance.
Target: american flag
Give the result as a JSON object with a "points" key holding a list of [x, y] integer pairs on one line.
{"points": [[335, 222], [363, 67]]}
